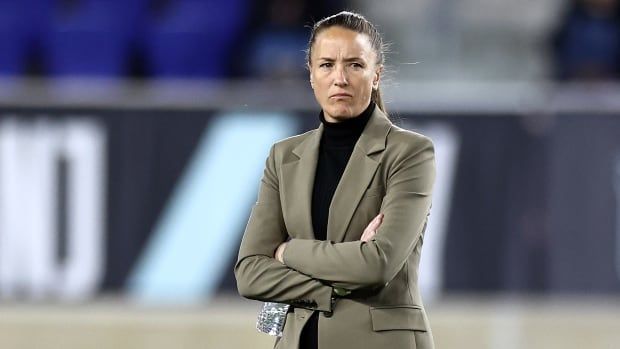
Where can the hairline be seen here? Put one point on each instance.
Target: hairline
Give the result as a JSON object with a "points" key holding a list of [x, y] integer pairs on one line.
{"points": [[318, 31]]}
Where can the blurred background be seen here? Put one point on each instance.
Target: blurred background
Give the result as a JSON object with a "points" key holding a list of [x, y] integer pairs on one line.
{"points": [[123, 197]]}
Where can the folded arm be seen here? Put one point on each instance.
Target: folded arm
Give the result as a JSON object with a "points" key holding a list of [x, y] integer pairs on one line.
{"points": [[261, 277], [358, 264]]}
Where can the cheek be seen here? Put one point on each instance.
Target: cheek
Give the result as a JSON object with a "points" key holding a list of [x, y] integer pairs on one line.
{"points": [[320, 92], [318, 85], [365, 89], [321, 95]]}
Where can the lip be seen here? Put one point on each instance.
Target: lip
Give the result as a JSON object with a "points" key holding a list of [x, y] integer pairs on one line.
{"points": [[340, 95]]}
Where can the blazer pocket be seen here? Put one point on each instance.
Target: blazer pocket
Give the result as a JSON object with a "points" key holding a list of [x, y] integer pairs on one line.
{"points": [[374, 191], [400, 317]]}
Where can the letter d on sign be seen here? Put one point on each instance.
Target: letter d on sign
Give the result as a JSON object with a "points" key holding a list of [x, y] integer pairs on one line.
{"points": [[31, 213]]}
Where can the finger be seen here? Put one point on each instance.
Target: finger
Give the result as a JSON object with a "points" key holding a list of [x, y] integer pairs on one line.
{"points": [[366, 236], [366, 233], [380, 219], [370, 235], [372, 227], [369, 228], [380, 222], [376, 225], [375, 221]]}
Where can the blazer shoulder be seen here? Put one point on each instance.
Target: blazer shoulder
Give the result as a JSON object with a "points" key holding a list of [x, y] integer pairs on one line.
{"points": [[402, 140], [286, 145]]}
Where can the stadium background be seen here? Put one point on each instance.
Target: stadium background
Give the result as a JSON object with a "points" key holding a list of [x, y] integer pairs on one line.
{"points": [[123, 197]]}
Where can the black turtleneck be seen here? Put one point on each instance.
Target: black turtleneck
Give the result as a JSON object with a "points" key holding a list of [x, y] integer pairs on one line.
{"points": [[337, 143]]}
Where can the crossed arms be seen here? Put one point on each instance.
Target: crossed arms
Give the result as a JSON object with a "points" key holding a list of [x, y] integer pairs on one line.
{"points": [[312, 268]]}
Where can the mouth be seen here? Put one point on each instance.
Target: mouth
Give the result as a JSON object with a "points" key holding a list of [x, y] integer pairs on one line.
{"points": [[341, 95]]}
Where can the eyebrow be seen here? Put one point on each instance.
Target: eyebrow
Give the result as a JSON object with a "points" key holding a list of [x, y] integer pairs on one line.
{"points": [[350, 59]]}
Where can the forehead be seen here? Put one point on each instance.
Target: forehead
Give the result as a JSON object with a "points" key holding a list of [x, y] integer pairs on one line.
{"points": [[338, 42]]}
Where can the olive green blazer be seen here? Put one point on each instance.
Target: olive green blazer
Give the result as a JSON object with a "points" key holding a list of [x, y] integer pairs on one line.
{"points": [[391, 170]]}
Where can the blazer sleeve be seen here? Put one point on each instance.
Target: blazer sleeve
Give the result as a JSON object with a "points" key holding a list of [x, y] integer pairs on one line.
{"points": [[356, 264], [259, 275]]}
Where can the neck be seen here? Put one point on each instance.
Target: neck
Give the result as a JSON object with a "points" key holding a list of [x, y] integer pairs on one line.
{"points": [[345, 133]]}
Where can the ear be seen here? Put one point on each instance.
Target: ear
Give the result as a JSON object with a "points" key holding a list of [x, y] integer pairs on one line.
{"points": [[311, 79], [377, 78]]}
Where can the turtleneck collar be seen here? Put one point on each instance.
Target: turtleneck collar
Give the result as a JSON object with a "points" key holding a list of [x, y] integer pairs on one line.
{"points": [[347, 132]]}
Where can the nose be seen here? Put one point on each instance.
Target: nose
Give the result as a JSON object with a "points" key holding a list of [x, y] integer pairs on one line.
{"points": [[341, 78]]}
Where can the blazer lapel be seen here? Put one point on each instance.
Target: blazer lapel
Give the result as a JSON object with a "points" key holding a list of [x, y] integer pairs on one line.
{"points": [[357, 175], [298, 181]]}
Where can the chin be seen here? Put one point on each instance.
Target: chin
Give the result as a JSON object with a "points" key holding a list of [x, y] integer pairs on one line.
{"points": [[341, 113]]}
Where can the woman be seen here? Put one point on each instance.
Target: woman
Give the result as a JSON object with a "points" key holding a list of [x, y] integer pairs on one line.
{"points": [[338, 226]]}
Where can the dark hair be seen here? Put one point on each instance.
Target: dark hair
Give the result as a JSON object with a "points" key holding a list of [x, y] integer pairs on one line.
{"points": [[357, 23]]}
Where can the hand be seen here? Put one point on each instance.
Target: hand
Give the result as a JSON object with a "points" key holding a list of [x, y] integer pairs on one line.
{"points": [[372, 227], [279, 254]]}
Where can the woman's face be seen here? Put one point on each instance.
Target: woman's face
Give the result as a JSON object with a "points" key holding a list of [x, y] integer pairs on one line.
{"points": [[343, 72]]}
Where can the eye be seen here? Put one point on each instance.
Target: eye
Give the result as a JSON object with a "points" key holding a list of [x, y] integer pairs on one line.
{"points": [[325, 65], [357, 65]]}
